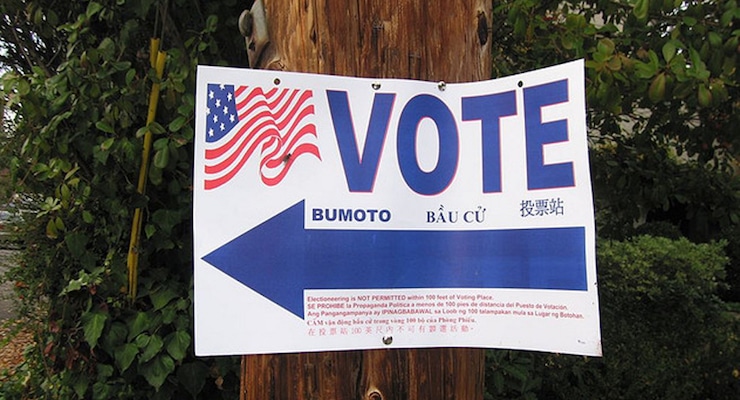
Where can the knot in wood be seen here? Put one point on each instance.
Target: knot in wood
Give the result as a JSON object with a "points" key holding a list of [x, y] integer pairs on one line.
{"points": [[482, 28], [246, 22], [375, 396]]}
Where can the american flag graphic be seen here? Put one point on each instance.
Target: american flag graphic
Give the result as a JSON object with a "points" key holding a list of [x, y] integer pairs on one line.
{"points": [[243, 120]]}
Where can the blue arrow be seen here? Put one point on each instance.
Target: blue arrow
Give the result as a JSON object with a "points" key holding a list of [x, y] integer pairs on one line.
{"points": [[279, 259]]}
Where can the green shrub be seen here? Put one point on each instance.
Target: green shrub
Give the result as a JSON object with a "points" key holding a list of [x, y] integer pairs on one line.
{"points": [[512, 374], [732, 291], [78, 119], [665, 333]]}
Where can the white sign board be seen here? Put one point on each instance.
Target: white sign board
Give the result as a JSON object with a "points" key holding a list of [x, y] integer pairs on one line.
{"points": [[336, 213]]}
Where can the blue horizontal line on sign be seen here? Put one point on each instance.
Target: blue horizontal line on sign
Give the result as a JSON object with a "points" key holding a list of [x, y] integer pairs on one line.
{"points": [[280, 259]]}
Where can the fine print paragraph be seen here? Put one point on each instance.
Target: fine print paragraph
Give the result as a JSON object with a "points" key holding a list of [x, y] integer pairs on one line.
{"points": [[452, 313]]}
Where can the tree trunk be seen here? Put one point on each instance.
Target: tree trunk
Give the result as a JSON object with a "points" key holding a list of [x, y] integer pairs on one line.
{"points": [[434, 41]]}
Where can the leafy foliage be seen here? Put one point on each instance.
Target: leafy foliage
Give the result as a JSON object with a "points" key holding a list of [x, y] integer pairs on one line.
{"points": [[79, 110], [512, 375], [652, 73], [665, 333], [637, 182], [662, 91]]}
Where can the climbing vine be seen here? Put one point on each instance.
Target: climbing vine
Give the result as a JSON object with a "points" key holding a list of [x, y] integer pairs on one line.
{"points": [[79, 118]]}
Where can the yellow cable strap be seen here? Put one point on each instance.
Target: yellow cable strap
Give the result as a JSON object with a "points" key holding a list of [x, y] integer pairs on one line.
{"points": [[133, 249], [153, 52]]}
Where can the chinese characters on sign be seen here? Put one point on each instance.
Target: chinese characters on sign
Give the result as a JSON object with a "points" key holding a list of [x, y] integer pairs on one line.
{"points": [[542, 207]]}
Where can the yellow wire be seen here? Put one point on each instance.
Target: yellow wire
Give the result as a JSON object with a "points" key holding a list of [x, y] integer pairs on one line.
{"points": [[153, 51], [157, 59]]}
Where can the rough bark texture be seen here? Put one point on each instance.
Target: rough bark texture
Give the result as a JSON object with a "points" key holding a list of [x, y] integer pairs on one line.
{"points": [[415, 39], [418, 374], [381, 39]]}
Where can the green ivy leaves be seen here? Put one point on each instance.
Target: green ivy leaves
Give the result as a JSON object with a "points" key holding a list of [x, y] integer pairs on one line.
{"points": [[125, 355], [92, 325], [177, 344], [155, 340], [79, 117]]}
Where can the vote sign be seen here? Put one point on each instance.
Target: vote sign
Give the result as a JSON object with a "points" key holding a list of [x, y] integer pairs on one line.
{"points": [[335, 213]]}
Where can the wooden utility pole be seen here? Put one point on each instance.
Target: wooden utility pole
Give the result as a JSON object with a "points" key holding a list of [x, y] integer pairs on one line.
{"points": [[434, 41]]}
